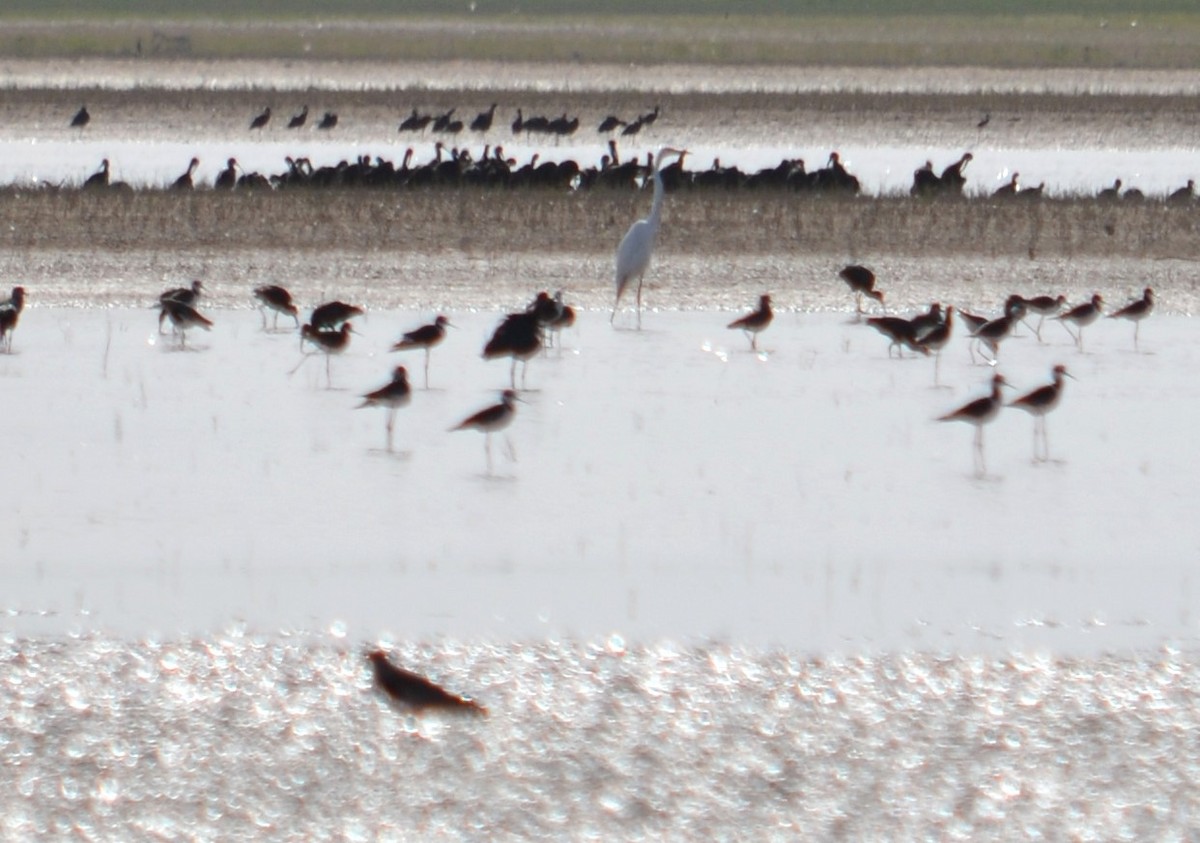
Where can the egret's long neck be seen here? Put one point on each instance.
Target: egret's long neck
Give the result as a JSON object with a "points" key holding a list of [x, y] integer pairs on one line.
{"points": [[656, 204]]}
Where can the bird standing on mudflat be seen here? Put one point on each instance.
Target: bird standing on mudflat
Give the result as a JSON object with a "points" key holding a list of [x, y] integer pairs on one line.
{"points": [[392, 395], [1040, 402], [753, 323], [426, 337], [637, 246], [414, 691], [978, 413], [1136, 311]]}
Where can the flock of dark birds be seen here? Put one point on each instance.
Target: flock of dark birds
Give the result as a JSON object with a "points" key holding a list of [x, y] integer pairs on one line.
{"points": [[929, 332], [452, 165]]}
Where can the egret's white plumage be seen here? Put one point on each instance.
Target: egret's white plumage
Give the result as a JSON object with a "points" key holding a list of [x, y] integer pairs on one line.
{"points": [[633, 255]]}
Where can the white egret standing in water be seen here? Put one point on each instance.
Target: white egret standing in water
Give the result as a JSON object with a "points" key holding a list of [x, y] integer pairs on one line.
{"points": [[633, 255]]}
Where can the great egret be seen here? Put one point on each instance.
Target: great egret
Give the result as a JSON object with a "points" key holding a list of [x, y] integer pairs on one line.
{"points": [[637, 246]]}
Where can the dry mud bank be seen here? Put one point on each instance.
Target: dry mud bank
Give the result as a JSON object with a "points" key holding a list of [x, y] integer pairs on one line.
{"points": [[435, 247]]}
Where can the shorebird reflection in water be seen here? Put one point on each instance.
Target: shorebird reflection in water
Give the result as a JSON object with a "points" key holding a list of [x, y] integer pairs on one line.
{"points": [[393, 396], [416, 692], [978, 413], [490, 420]]}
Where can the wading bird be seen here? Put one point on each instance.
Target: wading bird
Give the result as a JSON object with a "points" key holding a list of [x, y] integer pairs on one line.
{"points": [[978, 413], [520, 337], [183, 295], [637, 246], [81, 118], [861, 282], [416, 692], [753, 323], [183, 317], [1040, 402], [1135, 312], [276, 298], [332, 314], [10, 314], [298, 120], [426, 337], [261, 119], [1081, 315], [327, 342], [392, 395], [184, 182], [490, 420]]}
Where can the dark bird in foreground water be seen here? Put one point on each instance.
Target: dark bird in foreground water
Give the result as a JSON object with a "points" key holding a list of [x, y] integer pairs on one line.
{"points": [[417, 692], [490, 420], [278, 299], [328, 342], [181, 295], [754, 322], [81, 118]]}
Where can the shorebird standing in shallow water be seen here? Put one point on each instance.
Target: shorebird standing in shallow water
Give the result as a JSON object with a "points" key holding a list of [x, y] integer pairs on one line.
{"points": [[426, 337], [1040, 402], [1136, 311], [393, 396], [562, 318], [183, 295], [520, 337], [978, 413], [1081, 315], [416, 692], [490, 420], [990, 334], [332, 314], [328, 342], [754, 322], [1043, 306], [276, 298], [861, 282], [10, 314], [183, 316], [936, 338]]}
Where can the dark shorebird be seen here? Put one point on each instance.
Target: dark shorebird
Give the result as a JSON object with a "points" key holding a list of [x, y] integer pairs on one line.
{"points": [[185, 182], [332, 314], [861, 282], [900, 331], [298, 120], [276, 298], [1040, 402], [426, 337], [990, 334], [1043, 306], [10, 314], [100, 178], [416, 692], [1135, 312], [936, 338], [182, 295], [490, 420], [328, 121], [978, 413], [327, 342], [610, 123], [483, 120], [81, 118], [563, 318], [1081, 315], [415, 122], [393, 395], [183, 317], [754, 322], [261, 119], [519, 336], [925, 322], [227, 178]]}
